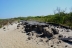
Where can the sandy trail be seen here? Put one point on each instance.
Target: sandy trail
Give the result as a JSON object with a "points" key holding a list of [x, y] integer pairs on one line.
{"points": [[14, 38]]}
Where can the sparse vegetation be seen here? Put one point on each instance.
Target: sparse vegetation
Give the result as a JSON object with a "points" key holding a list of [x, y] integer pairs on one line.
{"points": [[60, 18]]}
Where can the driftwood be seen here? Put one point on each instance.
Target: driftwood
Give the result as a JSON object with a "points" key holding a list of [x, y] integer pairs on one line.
{"points": [[67, 39]]}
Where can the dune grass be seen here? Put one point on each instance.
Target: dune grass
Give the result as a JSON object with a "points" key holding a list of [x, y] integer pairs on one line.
{"points": [[59, 18]]}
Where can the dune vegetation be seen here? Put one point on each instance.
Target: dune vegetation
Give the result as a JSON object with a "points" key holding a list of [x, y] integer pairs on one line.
{"points": [[61, 17]]}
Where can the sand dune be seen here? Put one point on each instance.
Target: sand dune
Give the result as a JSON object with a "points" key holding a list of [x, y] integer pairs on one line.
{"points": [[11, 37]]}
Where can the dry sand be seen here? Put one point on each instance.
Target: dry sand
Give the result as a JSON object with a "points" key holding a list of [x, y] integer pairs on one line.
{"points": [[11, 37]]}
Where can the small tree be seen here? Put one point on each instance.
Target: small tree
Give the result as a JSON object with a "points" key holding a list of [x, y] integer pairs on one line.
{"points": [[59, 12]]}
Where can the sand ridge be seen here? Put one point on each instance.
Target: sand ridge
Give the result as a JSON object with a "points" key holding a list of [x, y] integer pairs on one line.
{"points": [[11, 37]]}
